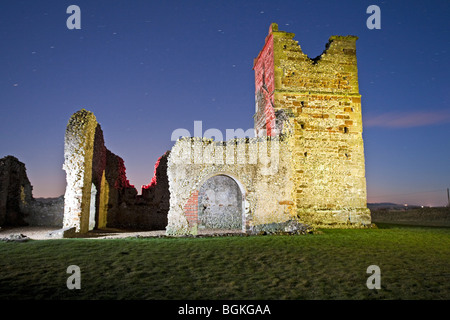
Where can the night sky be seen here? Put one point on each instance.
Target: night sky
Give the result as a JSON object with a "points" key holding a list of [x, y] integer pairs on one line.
{"points": [[146, 68]]}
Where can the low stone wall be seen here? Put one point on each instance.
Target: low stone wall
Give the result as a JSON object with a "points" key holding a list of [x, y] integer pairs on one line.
{"points": [[437, 216], [17, 205], [48, 212]]}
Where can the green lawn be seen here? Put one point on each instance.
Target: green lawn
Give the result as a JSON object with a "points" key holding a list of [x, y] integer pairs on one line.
{"points": [[414, 263]]}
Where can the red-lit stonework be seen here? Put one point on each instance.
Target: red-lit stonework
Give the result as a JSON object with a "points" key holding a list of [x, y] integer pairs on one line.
{"points": [[264, 88]]}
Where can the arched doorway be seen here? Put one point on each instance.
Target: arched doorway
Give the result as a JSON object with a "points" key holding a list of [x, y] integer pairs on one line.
{"points": [[220, 204], [93, 208]]}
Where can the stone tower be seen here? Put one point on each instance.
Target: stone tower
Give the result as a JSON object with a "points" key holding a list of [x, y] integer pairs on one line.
{"points": [[316, 102]]}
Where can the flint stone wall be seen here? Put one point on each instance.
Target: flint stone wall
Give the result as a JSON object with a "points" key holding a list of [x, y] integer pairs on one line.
{"points": [[18, 207], [317, 102], [98, 193], [306, 164], [260, 166], [15, 191], [48, 212]]}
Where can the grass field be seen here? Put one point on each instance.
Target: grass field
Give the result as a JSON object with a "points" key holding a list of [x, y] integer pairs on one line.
{"points": [[414, 264]]}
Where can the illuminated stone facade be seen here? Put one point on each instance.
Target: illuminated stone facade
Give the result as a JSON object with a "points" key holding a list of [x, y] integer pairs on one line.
{"points": [[261, 167], [310, 109], [306, 163], [316, 102], [98, 193]]}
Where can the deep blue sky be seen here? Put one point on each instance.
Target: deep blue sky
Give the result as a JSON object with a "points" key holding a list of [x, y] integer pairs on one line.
{"points": [[146, 68]]}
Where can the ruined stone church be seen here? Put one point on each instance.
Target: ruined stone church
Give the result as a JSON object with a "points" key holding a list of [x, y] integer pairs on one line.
{"points": [[306, 162]]}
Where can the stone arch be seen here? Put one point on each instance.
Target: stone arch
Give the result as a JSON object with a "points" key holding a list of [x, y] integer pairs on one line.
{"points": [[228, 174], [192, 209], [241, 199], [93, 215]]}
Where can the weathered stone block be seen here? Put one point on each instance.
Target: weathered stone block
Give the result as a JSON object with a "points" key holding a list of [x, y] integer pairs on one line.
{"points": [[15, 192], [69, 232]]}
